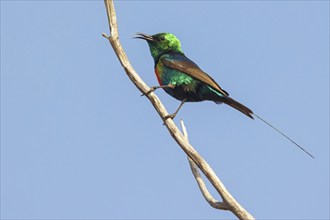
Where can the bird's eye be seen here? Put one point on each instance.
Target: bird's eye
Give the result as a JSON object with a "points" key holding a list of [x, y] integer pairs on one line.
{"points": [[162, 38]]}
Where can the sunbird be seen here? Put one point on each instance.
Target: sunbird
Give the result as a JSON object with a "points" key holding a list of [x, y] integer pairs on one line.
{"points": [[182, 79]]}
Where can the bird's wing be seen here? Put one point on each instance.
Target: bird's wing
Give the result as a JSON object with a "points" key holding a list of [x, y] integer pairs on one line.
{"points": [[183, 64]]}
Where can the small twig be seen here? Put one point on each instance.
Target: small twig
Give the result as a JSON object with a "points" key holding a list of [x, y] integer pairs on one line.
{"points": [[227, 198], [207, 195], [105, 35], [202, 186]]}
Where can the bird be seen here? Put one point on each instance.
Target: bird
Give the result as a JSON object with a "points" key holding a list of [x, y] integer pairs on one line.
{"points": [[181, 78], [185, 81]]}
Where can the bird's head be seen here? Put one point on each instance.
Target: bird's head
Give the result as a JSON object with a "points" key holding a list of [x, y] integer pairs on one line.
{"points": [[161, 43]]}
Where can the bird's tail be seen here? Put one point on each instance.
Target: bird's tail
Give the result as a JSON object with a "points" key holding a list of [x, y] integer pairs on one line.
{"points": [[245, 110], [235, 104]]}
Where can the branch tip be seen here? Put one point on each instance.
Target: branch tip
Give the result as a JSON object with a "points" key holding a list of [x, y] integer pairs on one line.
{"points": [[184, 130], [105, 35]]}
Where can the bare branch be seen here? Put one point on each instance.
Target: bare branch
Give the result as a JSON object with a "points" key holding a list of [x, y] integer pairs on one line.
{"points": [[207, 195], [228, 199]]}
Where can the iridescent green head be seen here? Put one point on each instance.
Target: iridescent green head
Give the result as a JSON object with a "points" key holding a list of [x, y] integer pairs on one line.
{"points": [[161, 43]]}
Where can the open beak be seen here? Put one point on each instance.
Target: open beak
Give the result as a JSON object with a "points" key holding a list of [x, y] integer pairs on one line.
{"points": [[144, 37]]}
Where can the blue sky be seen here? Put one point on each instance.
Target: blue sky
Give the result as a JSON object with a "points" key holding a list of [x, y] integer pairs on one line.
{"points": [[78, 141]]}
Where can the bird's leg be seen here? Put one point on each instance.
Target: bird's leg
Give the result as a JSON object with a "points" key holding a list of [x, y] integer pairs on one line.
{"points": [[153, 88], [172, 116]]}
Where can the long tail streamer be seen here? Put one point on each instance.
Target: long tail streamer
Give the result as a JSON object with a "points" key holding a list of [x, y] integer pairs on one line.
{"points": [[284, 135]]}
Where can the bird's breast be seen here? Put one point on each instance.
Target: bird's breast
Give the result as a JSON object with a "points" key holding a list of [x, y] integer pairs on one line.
{"points": [[159, 71]]}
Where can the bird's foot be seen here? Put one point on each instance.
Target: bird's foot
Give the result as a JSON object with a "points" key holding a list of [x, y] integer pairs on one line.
{"points": [[148, 92], [171, 116]]}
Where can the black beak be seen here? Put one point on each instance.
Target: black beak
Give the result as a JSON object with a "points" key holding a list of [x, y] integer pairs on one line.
{"points": [[144, 37]]}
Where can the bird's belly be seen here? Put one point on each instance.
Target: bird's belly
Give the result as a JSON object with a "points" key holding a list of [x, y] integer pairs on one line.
{"points": [[181, 92]]}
